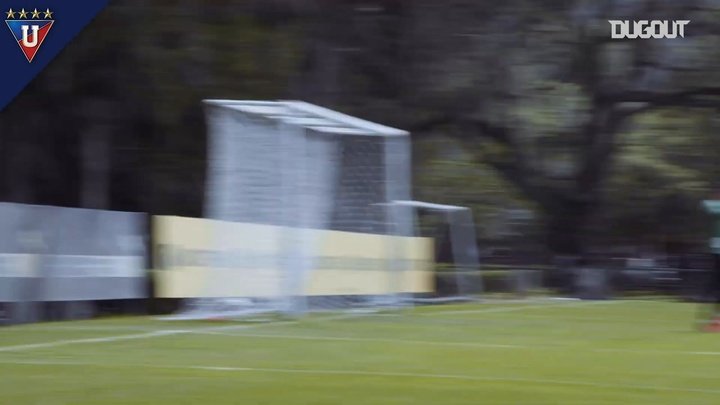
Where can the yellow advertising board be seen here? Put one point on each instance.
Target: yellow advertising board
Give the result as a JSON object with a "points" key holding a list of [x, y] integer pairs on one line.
{"points": [[207, 258]]}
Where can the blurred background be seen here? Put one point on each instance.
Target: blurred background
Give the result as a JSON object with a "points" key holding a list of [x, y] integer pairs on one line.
{"points": [[570, 147]]}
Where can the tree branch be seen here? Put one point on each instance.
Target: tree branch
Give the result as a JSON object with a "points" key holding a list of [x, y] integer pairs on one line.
{"points": [[464, 127], [600, 134], [525, 181], [512, 167], [651, 100], [428, 125]]}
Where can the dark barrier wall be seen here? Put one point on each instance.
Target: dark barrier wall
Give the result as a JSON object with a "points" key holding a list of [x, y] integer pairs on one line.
{"points": [[68, 254]]}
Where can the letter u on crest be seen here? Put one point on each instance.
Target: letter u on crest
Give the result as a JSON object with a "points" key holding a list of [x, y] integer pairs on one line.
{"points": [[33, 43]]}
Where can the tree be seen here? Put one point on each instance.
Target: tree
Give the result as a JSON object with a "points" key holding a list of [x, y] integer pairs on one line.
{"points": [[116, 120], [663, 170], [538, 90]]}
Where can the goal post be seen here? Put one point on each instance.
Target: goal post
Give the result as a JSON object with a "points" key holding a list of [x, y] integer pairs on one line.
{"points": [[315, 177], [306, 209], [465, 271]]}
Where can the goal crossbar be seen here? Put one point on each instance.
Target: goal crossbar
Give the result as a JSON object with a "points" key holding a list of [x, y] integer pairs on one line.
{"points": [[463, 239]]}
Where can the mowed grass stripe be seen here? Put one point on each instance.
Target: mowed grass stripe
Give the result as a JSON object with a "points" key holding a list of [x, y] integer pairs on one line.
{"points": [[378, 373], [400, 358]]}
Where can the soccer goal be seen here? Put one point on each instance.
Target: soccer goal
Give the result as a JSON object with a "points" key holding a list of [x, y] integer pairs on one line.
{"points": [[300, 204], [461, 281]]}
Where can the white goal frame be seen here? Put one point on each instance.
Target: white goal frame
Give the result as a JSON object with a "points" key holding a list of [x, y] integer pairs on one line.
{"points": [[463, 239], [299, 166]]}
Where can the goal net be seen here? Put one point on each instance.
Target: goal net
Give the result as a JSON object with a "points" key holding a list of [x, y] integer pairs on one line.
{"points": [[300, 202], [460, 280]]}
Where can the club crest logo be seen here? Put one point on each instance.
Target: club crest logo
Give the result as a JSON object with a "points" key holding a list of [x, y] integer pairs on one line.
{"points": [[29, 29]]}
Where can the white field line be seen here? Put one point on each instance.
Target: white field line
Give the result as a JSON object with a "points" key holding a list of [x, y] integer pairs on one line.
{"points": [[658, 352], [389, 374], [567, 318], [66, 342], [146, 335], [462, 377], [221, 329], [166, 332], [455, 344], [151, 330], [535, 318], [99, 328], [227, 331], [528, 318], [161, 332], [521, 307], [359, 339]]}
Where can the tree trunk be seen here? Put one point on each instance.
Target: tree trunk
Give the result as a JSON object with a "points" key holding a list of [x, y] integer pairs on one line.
{"points": [[567, 239], [19, 161], [95, 143], [566, 228], [95, 147]]}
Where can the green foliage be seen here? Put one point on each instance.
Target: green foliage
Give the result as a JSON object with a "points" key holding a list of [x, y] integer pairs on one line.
{"points": [[666, 167], [152, 64], [545, 73], [450, 174]]}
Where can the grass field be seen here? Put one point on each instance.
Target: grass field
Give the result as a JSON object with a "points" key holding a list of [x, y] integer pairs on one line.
{"points": [[544, 352]]}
